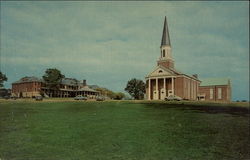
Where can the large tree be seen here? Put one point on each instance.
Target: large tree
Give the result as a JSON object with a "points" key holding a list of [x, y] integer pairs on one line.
{"points": [[136, 88], [52, 78], [2, 78]]}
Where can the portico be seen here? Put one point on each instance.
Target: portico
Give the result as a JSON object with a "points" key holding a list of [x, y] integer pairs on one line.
{"points": [[160, 87]]}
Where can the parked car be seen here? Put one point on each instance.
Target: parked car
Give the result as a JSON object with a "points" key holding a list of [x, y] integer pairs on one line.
{"points": [[6, 97], [173, 98], [38, 98], [100, 98], [13, 97], [80, 97]]}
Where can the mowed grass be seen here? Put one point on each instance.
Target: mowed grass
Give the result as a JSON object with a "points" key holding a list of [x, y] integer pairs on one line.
{"points": [[122, 130]]}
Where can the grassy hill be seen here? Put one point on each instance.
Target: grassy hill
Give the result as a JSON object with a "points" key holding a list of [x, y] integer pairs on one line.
{"points": [[135, 130]]}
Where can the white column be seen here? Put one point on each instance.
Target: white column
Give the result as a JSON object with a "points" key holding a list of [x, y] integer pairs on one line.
{"points": [[164, 87], [173, 85], [164, 80], [149, 89], [157, 90]]}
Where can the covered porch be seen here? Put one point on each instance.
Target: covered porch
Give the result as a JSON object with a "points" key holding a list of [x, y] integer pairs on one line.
{"points": [[158, 88]]}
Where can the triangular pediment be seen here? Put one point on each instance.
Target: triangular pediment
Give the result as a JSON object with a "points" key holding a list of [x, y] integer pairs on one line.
{"points": [[161, 71]]}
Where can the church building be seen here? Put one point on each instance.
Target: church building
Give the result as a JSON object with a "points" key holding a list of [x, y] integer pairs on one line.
{"points": [[165, 80]]}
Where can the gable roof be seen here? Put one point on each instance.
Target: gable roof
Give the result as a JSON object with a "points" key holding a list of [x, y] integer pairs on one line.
{"points": [[168, 71], [28, 79], [87, 88], [164, 71], [214, 81]]}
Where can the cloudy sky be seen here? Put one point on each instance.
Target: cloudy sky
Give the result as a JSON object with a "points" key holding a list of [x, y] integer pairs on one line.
{"points": [[109, 43]]}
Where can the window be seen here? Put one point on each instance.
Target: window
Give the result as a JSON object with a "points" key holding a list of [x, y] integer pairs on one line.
{"points": [[160, 71], [219, 93], [163, 52], [211, 93]]}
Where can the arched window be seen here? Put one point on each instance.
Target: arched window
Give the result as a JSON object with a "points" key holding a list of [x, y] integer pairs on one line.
{"points": [[163, 52], [160, 71]]}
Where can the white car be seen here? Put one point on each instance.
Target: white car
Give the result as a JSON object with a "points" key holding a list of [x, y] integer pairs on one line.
{"points": [[80, 97], [100, 98], [173, 98]]}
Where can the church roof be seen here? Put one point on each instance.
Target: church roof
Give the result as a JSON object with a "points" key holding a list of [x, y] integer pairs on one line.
{"points": [[214, 81], [161, 70], [165, 34], [167, 72]]}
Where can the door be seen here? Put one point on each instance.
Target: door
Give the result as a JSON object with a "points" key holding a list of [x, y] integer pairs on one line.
{"points": [[162, 94], [170, 92], [155, 95]]}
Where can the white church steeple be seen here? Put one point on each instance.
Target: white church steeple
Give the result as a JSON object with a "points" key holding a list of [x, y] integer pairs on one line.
{"points": [[166, 59]]}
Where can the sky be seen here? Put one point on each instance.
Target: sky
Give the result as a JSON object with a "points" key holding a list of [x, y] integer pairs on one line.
{"points": [[108, 43]]}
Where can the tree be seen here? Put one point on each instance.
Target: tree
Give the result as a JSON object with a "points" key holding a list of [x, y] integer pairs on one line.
{"points": [[2, 78], [106, 92], [136, 88], [119, 96], [52, 78]]}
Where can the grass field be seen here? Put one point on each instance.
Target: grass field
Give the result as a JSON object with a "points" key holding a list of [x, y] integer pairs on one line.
{"points": [[122, 130]]}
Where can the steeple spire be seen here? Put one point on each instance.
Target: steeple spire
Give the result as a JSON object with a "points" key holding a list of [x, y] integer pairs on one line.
{"points": [[165, 34], [166, 59]]}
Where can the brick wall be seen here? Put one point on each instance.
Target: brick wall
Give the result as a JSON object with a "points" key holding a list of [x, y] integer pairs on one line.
{"points": [[28, 88], [225, 93], [186, 88]]}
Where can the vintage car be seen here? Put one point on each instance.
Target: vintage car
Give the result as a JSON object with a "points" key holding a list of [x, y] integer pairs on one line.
{"points": [[80, 97], [100, 98], [173, 98], [38, 98]]}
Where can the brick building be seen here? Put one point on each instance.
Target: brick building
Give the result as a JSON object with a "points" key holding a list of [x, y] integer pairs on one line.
{"points": [[27, 87], [165, 80], [215, 89], [69, 87]]}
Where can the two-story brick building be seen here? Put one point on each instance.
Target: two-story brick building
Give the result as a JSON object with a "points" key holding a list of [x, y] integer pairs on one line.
{"points": [[27, 87]]}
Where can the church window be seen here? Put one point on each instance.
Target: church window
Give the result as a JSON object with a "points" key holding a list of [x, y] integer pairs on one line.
{"points": [[160, 71], [163, 52], [211, 93], [219, 93]]}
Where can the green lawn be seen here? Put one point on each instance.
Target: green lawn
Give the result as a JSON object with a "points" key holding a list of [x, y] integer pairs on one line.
{"points": [[122, 131]]}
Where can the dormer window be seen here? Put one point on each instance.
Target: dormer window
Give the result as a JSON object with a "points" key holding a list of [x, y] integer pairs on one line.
{"points": [[163, 52]]}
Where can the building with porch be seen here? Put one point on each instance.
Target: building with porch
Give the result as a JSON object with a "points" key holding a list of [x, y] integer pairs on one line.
{"points": [[165, 80], [69, 87]]}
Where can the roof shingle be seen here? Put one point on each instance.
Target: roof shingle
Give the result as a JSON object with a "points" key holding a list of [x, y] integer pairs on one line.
{"points": [[214, 81]]}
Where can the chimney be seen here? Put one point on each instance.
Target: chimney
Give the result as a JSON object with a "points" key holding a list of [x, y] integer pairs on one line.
{"points": [[84, 82], [195, 76]]}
